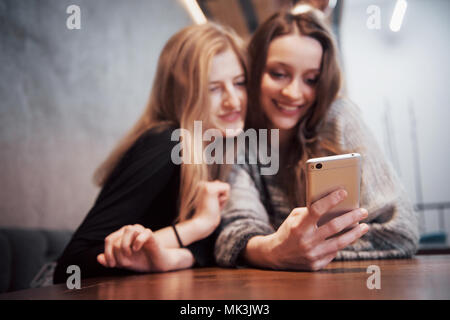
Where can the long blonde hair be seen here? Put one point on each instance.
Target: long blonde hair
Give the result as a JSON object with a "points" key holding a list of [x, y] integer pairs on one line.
{"points": [[310, 23], [178, 97]]}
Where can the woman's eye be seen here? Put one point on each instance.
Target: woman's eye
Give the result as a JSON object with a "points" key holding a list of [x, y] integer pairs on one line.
{"points": [[311, 81], [278, 75], [214, 89], [240, 83]]}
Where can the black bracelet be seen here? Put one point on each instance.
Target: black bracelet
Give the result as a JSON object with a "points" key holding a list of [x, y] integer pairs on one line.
{"points": [[178, 236]]}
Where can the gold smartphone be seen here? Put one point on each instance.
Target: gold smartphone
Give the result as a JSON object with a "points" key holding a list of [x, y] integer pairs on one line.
{"points": [[327, 174]]}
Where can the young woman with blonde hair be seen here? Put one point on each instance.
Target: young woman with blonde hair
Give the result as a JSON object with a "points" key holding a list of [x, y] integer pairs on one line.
{"points": [[153, 214], [294, 86]]}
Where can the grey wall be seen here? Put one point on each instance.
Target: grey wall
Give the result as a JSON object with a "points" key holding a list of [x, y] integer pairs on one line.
{"points": [[67, 96], [393, 73]]}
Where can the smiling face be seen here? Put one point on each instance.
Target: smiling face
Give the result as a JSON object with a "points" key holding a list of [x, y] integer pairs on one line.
{"points": [[288, 84], [227, 93]]}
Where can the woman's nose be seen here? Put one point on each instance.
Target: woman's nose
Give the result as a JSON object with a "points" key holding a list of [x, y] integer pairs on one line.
{"points": [[231, 99], [293, 91]]}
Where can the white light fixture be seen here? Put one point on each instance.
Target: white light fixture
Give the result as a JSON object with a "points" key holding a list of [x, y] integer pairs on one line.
{"points": [[301, 8], [195, 11], [332, 4], [398, 15]]}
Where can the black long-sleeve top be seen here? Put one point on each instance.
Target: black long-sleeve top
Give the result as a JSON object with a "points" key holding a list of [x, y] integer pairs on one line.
{"points": [[142, 189]]}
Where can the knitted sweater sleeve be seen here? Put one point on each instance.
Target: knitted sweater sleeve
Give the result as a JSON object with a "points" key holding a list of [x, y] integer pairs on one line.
{"points": [[243, 217], [393, 223]]}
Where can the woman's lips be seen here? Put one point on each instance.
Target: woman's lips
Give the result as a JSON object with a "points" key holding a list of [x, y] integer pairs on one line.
{"points": [[287, 109], [231, 116]]}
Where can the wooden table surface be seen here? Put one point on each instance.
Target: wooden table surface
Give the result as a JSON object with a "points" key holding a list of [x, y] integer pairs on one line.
{"points": [[423, 277]]}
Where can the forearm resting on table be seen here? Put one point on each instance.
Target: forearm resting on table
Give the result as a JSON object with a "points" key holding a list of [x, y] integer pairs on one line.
{"points": [[179, 259]]}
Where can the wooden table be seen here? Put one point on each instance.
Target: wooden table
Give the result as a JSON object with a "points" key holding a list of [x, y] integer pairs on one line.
{"points": [[423, 277]]}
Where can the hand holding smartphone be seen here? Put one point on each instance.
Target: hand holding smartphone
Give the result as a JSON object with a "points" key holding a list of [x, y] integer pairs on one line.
{"points": [[327, 174]]}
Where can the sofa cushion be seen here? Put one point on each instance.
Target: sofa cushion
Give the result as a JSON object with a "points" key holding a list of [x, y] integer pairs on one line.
{"points": [[23, 252]]}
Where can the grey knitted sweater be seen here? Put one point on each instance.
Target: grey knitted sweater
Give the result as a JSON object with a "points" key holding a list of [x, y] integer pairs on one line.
{"points": [[257, 205]]}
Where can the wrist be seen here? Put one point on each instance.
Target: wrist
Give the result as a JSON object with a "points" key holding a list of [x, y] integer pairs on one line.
{"points": [[193, 230], [260, 251], [203, 226]]}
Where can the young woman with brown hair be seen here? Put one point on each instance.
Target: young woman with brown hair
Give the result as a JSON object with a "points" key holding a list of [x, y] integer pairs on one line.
{"points": [[294, 86], [153, 214]]}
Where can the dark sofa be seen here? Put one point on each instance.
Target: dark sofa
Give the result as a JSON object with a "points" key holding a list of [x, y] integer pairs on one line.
{"points": [[25, 252]]}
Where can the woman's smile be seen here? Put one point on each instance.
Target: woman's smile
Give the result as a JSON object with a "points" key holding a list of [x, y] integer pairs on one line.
{"points": [[287, 109], [232, 116]]}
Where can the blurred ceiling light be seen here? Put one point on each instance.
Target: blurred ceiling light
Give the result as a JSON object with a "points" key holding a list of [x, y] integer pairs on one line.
{"points": [[332, 4], [397, 16], [300, 8], [194, 11]]}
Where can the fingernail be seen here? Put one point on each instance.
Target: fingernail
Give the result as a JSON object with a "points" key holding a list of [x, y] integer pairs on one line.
{"points": [[342, 194], [363, 213], [364, 227]]}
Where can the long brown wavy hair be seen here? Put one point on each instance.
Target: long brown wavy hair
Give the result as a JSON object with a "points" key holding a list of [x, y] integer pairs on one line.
{"points": [[179, 97], [306, 144]]}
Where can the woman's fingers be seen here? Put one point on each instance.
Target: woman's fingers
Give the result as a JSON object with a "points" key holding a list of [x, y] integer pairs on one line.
{"points": [[109, 255], [141, 239], [102, 260], [218, 187], [223, 192], [222, 200], [340, 223], [333, 245], [225, 189], [122, 244], [322, 206], [129, 235], [109, 247], [117, 241], [122, 261], [323, 262]]}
